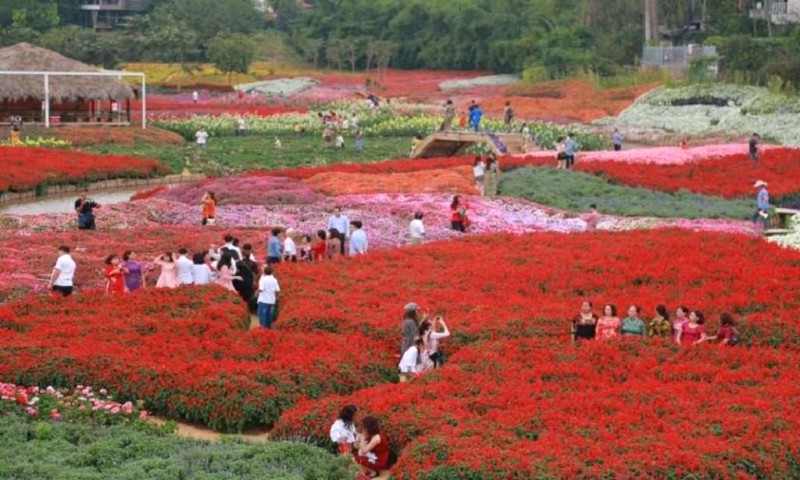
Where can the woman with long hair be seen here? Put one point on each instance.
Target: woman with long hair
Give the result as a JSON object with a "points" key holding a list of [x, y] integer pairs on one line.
{"points": [[319, 248], [168, 278], [115, 275], [373, 448], [660, 325], [694, 330], [681, 319], [343, 431], [133, 271], [333, 243]]}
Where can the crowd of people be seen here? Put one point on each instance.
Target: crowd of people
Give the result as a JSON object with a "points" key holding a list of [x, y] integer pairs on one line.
{"points": [[686, 328]]}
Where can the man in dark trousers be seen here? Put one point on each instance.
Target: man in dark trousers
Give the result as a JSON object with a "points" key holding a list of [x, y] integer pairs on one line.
{"points": [[84, 207]]}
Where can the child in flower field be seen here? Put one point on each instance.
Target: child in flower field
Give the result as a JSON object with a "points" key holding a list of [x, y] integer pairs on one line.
{"points": [[319, 248], [609, 324], [373, 448], [681, 318], [693, 331], [169, 271], [343, 431], [584, 325], [660, 325], [632, 325], [114, 273]]}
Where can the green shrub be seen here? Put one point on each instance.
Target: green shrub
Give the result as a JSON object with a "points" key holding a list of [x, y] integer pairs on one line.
{"points": [[575, 191], [43, 450]]}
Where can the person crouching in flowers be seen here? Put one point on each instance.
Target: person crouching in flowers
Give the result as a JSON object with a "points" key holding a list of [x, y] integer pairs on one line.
{"points": [[584, 325], [115, 275], [608, 325], [632, 325], [343, 431], [660, 325], [459, 221], [693, 331], [168, 278], [411, 358], [373, 448]]}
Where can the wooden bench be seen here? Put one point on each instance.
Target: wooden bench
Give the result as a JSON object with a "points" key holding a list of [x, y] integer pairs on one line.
{"points": [[779, 224]]}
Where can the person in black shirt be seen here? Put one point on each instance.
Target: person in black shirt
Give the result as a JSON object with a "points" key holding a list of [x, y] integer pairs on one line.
{"points": [[755, 142], [84, 207], [246, 268], [584, 325]]}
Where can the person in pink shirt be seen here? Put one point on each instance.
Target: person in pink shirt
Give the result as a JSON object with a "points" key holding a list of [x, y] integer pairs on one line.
{"points": [[681, 318], [693, 331], [609, 324]]}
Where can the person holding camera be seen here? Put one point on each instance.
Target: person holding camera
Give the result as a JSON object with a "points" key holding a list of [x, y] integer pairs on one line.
{"points": [[84, 207], [430, 334]]}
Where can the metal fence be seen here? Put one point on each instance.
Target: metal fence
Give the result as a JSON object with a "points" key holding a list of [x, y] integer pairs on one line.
{"points": [[675, 56]]}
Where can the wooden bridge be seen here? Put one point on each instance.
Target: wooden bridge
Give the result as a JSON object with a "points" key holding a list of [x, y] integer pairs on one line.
{"points": [[453, 144]]}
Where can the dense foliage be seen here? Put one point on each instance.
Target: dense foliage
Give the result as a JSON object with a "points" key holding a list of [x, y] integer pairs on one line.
{"points": [[550, 37], [39, 450]]}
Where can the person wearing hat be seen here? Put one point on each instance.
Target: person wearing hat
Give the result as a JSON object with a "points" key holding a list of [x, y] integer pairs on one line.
{"points": [[762, 201], [410, 326]]}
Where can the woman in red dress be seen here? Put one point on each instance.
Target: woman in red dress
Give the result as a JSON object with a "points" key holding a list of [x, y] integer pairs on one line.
{"points": [[115, 275], [319, 248], [373, 448], [459, 221], [693, 332]]}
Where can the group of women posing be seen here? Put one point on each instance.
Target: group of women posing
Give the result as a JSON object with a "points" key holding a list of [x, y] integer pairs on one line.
{"points": [[367, 444], [687, 328]]}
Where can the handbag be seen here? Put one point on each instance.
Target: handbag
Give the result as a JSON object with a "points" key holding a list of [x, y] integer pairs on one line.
{"points": [[437, 357]]}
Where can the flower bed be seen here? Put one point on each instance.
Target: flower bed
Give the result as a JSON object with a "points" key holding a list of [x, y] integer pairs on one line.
{"points": [[185, 352], [241, 190], [454, 181], [728, 176], [28, 168]]}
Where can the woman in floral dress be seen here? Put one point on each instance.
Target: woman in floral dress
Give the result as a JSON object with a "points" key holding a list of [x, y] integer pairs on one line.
{"points": [[609, 324]]}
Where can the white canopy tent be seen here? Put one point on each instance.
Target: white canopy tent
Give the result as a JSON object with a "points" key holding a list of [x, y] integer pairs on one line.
{"points": [[107, 73]]}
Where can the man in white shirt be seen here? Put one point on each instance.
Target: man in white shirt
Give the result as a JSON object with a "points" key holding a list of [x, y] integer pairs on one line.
{"points": [[342, 225], [358, 239], [185, 267], [268, 289], [289, 246], [63, 273], [417, 229], [202, 137]]}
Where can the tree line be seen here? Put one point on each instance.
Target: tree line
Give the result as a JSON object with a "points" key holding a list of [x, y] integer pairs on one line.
{"points": [[555, 37]]}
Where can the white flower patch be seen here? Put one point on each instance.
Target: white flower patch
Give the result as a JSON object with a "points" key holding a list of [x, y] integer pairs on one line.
{"points": [[485, 81], [280, 86]]}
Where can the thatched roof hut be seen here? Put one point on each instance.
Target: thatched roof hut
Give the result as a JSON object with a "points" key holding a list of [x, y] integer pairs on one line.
{"points": [[27, 57]]}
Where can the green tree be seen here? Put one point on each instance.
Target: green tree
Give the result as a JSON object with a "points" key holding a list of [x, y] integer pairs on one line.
{"points": [[231, 53], [39, 16], [210, 18]]}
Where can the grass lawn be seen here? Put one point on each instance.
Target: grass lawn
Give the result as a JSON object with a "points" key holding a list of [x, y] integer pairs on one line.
{"points": [[575, 191], [235, 154]]}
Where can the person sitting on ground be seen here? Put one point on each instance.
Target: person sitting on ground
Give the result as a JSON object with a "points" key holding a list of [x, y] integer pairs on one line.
{"points": [[727, 334], [115, 275], [584, 325], [416, 229], [343, 431], [660, 325], [608, 325], [409, 362], [429, 332], [693, 331], [373, 448], [632, 325], [201, 272]]}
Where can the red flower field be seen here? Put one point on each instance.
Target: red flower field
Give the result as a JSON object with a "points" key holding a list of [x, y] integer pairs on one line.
{"points": [[23, 169], [732, 176], [514, 400]]}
